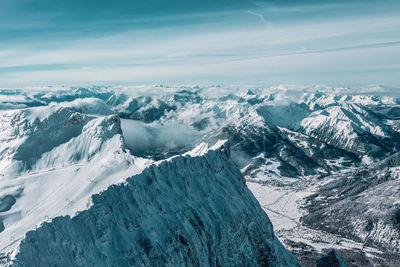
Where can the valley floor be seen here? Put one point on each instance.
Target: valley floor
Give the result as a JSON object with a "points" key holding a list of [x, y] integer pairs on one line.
{"points": [[283, 204]]}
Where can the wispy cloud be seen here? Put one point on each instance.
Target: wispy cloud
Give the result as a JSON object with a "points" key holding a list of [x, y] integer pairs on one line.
{"points": [[256, 42]]}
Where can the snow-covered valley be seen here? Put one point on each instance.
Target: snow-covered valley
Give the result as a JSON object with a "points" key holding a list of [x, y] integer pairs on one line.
{"points": [[125, 176]]}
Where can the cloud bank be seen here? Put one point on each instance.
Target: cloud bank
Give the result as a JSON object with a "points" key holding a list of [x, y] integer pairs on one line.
{"points": [[144, 138]]}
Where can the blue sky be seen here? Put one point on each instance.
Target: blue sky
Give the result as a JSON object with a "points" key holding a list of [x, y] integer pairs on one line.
{"points": [[121, 42]]}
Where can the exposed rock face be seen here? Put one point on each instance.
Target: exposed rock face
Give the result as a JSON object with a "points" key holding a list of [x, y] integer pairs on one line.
{"points": [[332, 259], [187, 211]]}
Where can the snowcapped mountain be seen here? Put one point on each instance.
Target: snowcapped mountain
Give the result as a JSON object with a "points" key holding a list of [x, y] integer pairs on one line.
{"points": [[33, 138], [353, 128], [186, 211], [66, 162], [75, 162], [52, 159]]}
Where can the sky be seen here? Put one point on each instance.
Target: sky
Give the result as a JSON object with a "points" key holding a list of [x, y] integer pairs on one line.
{"points": [[131, 42]]}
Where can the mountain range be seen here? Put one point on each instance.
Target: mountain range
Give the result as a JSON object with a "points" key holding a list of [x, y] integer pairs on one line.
{"points": [[189, 175]]}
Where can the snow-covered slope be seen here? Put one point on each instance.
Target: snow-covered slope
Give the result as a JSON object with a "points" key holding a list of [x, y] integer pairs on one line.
{"points": [[191, 210], [52, 160], [352, 128], [33, 138]]}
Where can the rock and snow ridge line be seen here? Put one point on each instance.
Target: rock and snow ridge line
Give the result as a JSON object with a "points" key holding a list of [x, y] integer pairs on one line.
{"points": [[186, 211], [71, 156]]}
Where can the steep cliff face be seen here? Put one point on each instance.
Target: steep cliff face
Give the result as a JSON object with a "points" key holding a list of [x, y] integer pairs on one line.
{"points": [[190, 210]]}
